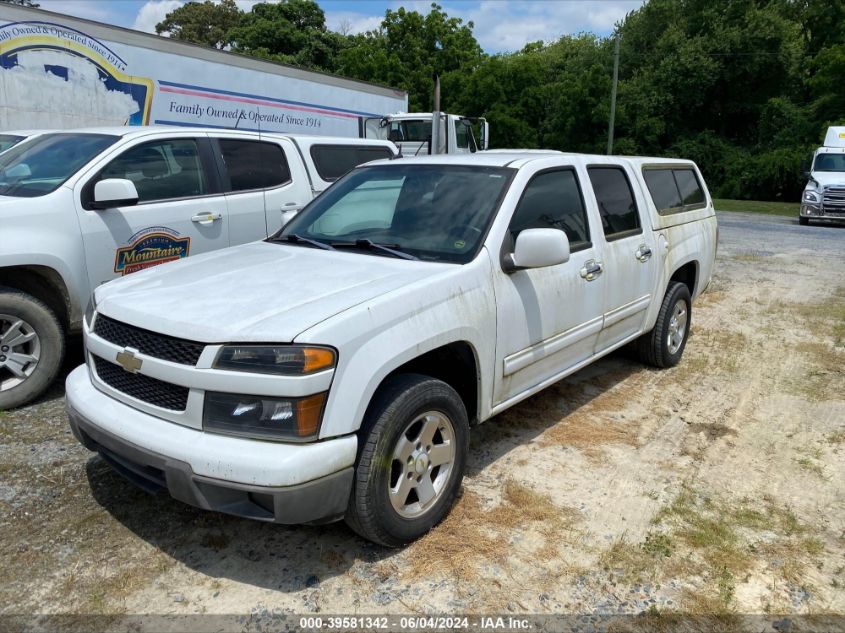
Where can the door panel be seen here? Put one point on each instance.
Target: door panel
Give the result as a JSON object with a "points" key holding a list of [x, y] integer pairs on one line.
{"points": [[262, 180], [178, 214], [629, 254], [548, 319]]}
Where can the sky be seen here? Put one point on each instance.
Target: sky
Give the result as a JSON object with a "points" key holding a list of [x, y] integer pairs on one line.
{"points": [[500, 25]]}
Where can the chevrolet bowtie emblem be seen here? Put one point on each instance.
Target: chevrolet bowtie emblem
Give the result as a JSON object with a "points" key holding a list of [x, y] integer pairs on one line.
{"points": [[127, 360]]}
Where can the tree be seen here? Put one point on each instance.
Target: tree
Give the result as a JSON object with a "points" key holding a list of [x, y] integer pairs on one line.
{"points": [[408, 49], [291, 31], [207, 22]]}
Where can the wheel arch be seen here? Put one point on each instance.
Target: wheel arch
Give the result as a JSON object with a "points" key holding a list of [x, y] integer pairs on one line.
{"points": [[686, 274], [43, 283], [454, 363]]}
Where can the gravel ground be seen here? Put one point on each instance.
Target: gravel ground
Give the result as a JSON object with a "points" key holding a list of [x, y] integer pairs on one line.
{"points": [[714, 488]]}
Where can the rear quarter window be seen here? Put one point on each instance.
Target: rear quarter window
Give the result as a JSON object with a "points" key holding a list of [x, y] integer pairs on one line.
{"points": [[674, 189], [333, 161]]}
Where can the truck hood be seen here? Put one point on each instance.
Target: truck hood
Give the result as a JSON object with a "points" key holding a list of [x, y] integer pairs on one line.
{"points": [[258, 292], [825, 178]]}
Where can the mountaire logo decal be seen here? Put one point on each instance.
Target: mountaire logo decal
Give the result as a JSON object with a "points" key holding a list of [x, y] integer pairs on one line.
{"points": [[151, 247]]}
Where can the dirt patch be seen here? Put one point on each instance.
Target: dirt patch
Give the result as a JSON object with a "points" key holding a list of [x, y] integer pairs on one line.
{"points": [[715, 488]]}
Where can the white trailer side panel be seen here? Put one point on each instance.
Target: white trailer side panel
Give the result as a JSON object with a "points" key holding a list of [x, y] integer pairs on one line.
{"points": [[60, 72]]}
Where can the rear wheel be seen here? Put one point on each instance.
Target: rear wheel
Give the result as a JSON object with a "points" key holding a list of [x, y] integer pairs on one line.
{"points": [[664, 345], [32, 347], [411, 460]]}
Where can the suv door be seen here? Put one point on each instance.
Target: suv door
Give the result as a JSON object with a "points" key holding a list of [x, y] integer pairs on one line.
{"points": [[180, 211], [629, 253], [265, 182], [548, 319]]}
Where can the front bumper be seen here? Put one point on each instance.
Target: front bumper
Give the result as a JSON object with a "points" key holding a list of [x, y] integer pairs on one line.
{"points": [[268, 481], [818, 212]]}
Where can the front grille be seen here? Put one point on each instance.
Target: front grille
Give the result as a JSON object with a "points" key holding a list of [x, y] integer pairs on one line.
{"points": [[150, 390], [833, 199], [161, 346]]}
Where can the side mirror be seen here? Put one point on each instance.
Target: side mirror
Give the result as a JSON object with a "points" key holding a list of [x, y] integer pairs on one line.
{"points": [[114, 192], [538, 248], [18, 172], [287, 216], [485, 135]]}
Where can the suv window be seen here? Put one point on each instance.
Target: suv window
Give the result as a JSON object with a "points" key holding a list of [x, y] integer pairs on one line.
{"points": [[333, 161], [674, 189], [553, 200], [618, 210], [253, 164], [161, 170]]}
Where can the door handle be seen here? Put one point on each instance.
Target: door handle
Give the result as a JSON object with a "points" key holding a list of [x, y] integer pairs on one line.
{"points": [[591, 270], [206, 218], [643, 253]]}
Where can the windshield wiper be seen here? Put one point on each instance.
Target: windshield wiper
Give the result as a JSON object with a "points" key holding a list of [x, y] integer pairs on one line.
{"points": [[293, 238], [390, 249]]}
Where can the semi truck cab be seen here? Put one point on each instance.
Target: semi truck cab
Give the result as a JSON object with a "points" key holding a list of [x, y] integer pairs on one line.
{"points": [[824, 196], [415, 135]]}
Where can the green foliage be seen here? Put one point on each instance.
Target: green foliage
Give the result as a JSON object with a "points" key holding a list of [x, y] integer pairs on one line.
{"points": [[745, 88], [409, 48], [205, 22], [292, 32]]}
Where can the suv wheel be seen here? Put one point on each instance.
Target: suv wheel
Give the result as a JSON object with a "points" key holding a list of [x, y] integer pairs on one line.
{"points": [[411, 460], [32, 346], [664, 345]]}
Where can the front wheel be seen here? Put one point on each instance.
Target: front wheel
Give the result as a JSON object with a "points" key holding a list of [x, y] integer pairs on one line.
{"points": [[411, 460], [803, 221], [664, 345], [32, 346]]}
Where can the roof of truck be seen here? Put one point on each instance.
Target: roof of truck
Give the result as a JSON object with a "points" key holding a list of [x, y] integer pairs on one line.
{"points": [[142, 130], [518, 159]]}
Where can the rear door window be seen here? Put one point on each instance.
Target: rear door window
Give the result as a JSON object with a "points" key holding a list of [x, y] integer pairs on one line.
{"points": [[618, 210], [252, 165], [333, 161], [674, 189]]}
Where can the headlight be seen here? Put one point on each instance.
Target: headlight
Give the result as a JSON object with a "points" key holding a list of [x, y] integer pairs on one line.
{"points": [[90, 310], [811, 196], [292, 419], [286, 360]]}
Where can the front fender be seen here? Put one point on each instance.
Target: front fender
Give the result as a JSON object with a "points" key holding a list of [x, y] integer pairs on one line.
{"points": [[377, 338]]}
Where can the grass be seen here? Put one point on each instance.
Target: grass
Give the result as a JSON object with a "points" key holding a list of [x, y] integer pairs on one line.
{"points": [[757, 206], [721, 542], [472, 536]]}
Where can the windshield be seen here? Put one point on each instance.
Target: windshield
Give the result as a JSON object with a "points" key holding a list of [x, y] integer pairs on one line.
{"points": [[433, 212], [829, 162], [40, 166], [7, 140]]}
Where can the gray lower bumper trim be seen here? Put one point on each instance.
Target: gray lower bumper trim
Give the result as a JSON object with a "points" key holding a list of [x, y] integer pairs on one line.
{"points": [[318, 501]]}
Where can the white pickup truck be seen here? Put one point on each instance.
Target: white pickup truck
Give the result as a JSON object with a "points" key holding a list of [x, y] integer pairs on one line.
{"points": [[83, 207], [334, 370]]}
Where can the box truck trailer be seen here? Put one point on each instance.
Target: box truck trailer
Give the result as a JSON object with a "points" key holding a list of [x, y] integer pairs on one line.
{"points": [[61, 72]]}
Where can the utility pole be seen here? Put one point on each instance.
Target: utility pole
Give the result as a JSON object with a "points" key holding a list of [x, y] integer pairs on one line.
{"points": [[613, 96], [435, 118]]}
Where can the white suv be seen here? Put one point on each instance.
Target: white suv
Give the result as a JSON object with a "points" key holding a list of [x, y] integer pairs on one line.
{"points": [[334, 369]]}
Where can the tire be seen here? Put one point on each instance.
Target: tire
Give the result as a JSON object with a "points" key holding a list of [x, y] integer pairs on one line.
{"points": [[382, 505], [803, 221], [38, 333], [654, 347]]}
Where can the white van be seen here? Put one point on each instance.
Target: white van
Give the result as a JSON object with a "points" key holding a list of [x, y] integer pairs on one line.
{"points": [[81, 207]]}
